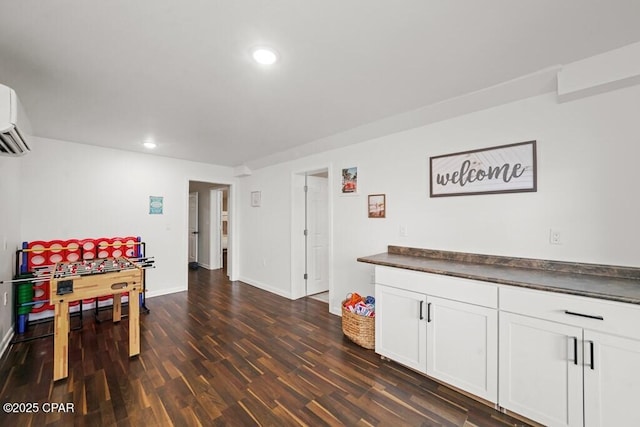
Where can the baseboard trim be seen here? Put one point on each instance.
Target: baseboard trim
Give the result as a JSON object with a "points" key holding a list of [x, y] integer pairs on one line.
{"points": [[6, 340], [160, 292], [265, 287]]}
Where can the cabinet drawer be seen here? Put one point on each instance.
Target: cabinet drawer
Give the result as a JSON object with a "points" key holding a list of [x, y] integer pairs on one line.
{"points": [[454, 288], [606, 316]]}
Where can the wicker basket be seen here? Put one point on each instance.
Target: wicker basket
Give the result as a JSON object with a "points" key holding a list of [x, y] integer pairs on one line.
{"points": [[359, 329]]}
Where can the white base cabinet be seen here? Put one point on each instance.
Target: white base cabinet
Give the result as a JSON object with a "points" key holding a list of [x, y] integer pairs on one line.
{"points": [[400, 332], [462, 346], [540, 377], [575, 370], [450, 340], [559, 359], [612, 381]]}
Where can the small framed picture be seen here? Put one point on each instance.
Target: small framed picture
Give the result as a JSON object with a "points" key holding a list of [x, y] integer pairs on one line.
{"points": [[377, 206], [256, 198], [349, 181], [156, 204]]}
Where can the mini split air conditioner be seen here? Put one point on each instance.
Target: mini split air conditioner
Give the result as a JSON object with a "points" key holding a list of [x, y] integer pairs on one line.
{"points": [[13, 124]]}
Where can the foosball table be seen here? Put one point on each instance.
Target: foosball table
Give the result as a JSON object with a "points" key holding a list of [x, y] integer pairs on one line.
{"points": [[72, 281], [55, 277]]}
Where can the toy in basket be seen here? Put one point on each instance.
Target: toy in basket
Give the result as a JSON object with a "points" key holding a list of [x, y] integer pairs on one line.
{"points": [[358, 320]]}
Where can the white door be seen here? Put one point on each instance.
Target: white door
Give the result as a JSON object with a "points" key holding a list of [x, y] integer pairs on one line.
{"points": [[193, 227], [401, 327], [462, 346], [540, 372], [215, 252], [317, 235], [298, 241], [611, 380]]}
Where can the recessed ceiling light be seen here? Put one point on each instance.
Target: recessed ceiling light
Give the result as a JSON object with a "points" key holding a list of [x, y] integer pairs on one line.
{"points": [[265, 56], [149, 144]]}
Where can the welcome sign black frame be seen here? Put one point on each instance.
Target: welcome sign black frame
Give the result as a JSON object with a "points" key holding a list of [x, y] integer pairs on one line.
{"points": [[508, 168]]}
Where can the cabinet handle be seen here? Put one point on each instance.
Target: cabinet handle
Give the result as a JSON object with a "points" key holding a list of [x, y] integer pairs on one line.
{"points": [[421, 316], [592, 363], [428, 312], [575, 350], [590, 316]]}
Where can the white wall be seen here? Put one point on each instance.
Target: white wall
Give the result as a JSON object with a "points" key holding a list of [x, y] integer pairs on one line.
{"points": [[80, 191], [9, 233], [264, 231], [588, 152]]}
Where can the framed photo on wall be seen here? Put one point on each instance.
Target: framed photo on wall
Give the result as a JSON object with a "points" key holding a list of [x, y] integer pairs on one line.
{"points": [[349, 181], [377, 206], [256, 198], [156, 205]]}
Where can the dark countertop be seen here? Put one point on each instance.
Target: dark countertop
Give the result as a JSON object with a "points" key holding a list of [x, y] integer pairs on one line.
{"points": [[613, 283]]}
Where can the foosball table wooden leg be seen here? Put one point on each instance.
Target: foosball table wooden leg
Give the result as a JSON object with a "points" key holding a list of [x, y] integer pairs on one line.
{"points": [[61, 341], [134, 322], [117, 307]]}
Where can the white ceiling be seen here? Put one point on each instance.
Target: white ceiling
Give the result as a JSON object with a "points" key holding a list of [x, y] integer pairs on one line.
{"points": [[114, 72]]}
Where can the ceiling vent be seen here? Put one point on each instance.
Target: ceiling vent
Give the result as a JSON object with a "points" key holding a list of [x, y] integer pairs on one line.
{"points": [[13, 124]]}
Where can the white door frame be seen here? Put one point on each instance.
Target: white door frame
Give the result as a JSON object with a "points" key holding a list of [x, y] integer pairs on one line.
{"points": [[232, 246], [297, 229], [215, 230], [192, 229]]}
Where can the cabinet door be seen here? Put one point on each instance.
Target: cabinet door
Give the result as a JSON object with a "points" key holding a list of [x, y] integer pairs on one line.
{"points": [[540, 370], [611, 380], [462, 346], [401, 326]]}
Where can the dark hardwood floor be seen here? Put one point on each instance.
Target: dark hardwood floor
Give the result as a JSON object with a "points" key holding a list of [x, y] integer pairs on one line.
{"points": [[226, 353]]}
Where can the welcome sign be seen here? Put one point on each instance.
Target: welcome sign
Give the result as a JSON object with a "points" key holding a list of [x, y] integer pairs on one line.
{"points": [[503, 169]]}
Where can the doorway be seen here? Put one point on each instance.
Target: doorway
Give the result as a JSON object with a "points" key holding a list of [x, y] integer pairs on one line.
{"points": [[193, 228], [311, 231], [209, 210]]}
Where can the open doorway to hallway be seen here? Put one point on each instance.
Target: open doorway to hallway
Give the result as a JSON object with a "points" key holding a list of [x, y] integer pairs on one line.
{"points": [[209, 230]]}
